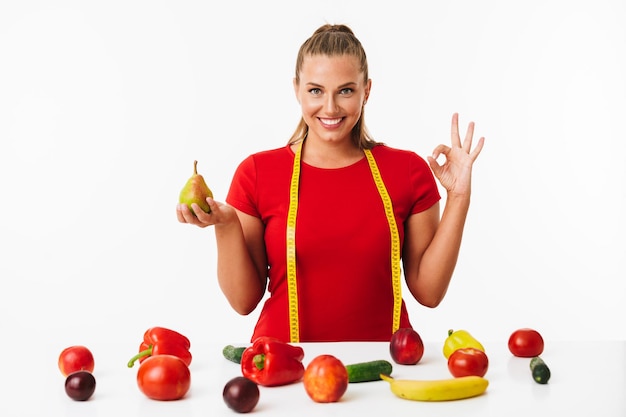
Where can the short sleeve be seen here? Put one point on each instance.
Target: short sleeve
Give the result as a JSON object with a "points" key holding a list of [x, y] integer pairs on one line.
{"points": [[426, 192], [242, 192]]}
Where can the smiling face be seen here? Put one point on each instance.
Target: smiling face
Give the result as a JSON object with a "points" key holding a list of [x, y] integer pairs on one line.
{"points": [[331, 91]]}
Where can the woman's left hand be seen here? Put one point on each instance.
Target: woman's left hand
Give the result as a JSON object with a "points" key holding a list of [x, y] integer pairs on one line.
{"points": [[455, 174]]}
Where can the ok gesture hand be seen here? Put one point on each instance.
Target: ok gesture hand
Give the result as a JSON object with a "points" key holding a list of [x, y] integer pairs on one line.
{"points": [[455, 174]]}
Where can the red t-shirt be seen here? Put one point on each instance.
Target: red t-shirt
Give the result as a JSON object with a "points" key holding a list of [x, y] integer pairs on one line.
{"points": [[343, 243]]}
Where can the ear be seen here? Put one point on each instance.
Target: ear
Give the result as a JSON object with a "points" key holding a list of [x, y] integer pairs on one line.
{"points": [[295, 89], [368, 87]]}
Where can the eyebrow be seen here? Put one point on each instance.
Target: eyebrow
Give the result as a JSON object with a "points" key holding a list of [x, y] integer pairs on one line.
{"points": [[348, 84]]}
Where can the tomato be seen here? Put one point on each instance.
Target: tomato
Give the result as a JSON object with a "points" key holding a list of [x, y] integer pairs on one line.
{"points": [[325, 379], [406, 346], [164, 377], [75, 358], [526, 343], [468, 361]]}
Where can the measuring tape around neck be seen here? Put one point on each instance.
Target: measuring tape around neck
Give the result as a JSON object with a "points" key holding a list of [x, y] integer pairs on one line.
{"points": [[292, 286]]}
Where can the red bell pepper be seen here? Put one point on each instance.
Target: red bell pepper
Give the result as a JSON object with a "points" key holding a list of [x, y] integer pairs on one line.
{"points": [[162, 341], [271, 362]]}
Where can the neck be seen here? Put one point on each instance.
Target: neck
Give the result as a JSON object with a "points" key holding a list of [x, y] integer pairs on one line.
{"points": [[325, 154]]}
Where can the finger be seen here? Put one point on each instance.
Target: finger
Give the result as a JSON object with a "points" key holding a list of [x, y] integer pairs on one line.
{"points": [[434, 165], [185, 215], [454, 132], [179, 214], [212, 204], [467, 142], [441, 149], [477, 149], [200, 215]]}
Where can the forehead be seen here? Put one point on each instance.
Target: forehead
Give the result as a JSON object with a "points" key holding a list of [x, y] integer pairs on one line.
{"points": [[316, 68]]}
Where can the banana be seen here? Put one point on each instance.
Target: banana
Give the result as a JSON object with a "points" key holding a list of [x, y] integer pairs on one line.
{"points": [[437, 390]]}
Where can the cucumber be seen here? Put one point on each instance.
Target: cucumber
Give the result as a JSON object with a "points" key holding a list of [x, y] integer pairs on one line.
{"points": [[233, 353], [540, 371], [368, 371]]}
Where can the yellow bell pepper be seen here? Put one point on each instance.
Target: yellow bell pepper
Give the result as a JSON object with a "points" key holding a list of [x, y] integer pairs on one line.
{"points": [[460, 339]]}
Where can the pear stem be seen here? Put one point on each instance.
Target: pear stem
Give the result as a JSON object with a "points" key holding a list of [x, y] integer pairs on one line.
{"points": [[195, 167]]}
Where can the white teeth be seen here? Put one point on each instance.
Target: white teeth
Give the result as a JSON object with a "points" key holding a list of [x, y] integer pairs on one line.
{"points": [[331, 121]]}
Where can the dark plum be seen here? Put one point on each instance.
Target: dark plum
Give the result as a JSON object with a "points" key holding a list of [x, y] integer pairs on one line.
{"points": [[80, 385], [241, 394]]}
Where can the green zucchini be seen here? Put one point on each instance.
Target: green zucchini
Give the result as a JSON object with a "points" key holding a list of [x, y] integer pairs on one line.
{"points": [[368, 371], [540, 371], [233, 353]]}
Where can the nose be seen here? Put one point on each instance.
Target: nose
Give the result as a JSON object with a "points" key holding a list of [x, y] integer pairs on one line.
{"points": [[330, 104]]}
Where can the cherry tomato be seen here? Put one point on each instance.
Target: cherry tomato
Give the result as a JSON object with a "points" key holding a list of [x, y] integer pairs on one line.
{"points": [[468, 361], [526, 343], [164, 377], [406, 346], [75, 358], [325, 379]]}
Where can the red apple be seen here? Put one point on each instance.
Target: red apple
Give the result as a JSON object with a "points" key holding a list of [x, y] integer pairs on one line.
{"points": [[406, 346], [75, 358], [325, 379]]}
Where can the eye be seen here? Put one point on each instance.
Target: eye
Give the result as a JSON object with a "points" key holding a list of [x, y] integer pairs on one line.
{"points": [[315, 91], [346, 91]]}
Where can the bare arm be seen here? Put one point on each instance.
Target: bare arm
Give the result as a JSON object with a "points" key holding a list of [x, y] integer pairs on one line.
{"points": [[432, 246], [241, 259], [431, 251]]}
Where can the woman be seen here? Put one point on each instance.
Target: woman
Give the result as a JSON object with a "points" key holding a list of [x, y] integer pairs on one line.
{"points": [[327, 221]]}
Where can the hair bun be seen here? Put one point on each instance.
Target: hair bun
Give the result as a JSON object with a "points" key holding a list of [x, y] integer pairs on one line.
{"points": [[334, 28]]}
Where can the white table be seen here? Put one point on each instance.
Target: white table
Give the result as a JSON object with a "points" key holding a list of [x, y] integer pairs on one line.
{"points": [[587, 378]]}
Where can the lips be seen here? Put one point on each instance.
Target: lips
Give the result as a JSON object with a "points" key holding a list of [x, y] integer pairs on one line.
{"points": [[331, 122]]}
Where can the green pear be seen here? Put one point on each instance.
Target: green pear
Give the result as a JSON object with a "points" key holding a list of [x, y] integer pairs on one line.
{"points": [[195, 191]]}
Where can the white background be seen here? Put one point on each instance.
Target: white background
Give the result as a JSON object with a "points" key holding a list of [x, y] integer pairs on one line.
{"points": [[105, 105]]}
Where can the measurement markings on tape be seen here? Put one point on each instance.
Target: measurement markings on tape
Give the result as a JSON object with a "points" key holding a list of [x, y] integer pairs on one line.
{"points": [[292, 284]]}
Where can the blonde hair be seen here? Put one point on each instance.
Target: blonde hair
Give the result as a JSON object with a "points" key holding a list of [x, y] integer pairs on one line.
{"points": [[335, 40]]}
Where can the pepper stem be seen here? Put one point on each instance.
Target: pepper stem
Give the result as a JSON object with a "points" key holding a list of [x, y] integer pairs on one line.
{"points": [[140, 355], [259, 360]]}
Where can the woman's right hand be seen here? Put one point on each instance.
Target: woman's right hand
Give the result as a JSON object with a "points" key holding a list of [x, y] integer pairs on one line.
{"points": [[220, 214]]}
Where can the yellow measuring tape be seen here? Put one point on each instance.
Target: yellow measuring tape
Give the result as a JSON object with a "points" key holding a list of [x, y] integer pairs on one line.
{"points": [[292, 286], [395, 240]]}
